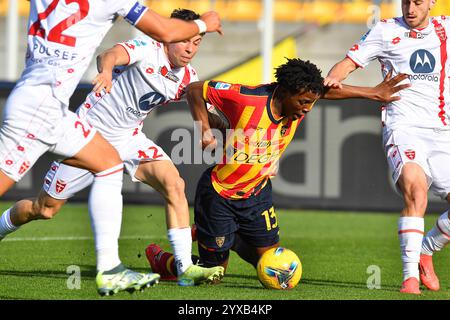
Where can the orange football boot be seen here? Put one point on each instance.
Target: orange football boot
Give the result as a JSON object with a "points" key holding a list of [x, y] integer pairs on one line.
{"points": [[427, 275], [410, 285]]}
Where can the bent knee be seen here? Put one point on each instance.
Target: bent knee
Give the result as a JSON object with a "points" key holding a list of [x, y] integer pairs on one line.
{"points": [[46, 211], [174, 189], [108, 160], [416, 195]]}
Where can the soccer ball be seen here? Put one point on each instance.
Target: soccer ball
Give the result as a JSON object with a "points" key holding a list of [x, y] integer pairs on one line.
{"points": [[279, 268]]}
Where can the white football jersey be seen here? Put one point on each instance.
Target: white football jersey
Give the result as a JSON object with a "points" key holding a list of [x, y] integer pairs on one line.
{"points": [[146, 82], [424, 56], [63, 36]]}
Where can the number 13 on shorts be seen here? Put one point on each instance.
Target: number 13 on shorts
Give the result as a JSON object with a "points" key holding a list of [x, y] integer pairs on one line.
{"points": [[271, 219]]}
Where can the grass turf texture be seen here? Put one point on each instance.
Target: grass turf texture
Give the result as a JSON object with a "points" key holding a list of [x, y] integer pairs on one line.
{"points": [[335, 249]]}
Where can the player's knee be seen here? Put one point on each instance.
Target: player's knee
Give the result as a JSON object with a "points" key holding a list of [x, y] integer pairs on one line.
{"points": [[45, 211], [211, 257], [175, 189], [48, 212], [415, 199], [113, 159], [416, 195]]}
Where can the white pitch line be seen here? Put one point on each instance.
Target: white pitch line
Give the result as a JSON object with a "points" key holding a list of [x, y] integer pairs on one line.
{"points": [[73, 238]]}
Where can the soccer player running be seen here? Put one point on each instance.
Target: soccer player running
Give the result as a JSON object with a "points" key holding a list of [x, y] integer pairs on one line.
{"points": [[416, 129], [152, 74], [62, 37], [233, 201]]}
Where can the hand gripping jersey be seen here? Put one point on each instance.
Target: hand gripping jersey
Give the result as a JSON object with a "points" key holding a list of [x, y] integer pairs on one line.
{"points": [[148, 81], [63, 36], [422, 54], [253, 149]]}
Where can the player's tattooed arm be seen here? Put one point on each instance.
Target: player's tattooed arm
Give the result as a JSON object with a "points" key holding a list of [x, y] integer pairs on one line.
{"points": [[106, 61], [384, 92], [199, 112], [173, 30]]}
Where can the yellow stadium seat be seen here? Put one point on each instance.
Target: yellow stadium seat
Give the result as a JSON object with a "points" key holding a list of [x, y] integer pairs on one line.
{"points": [[244, 10], [221, 6], [3, 7], [356, 11], [287, 10], [200, 6], [165, 7], [321, 11], [388, 10], [442, 7], [24, 8]]}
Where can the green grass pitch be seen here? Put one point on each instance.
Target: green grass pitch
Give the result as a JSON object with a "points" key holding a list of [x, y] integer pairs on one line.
{"points": [[336, 250]]}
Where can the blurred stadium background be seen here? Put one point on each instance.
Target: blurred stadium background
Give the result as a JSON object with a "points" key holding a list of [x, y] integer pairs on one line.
{"points": [[336, 159]]}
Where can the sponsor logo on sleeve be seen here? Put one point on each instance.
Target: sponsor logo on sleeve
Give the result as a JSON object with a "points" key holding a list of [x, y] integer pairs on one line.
{"points": [[364, 37], [222, 86]]}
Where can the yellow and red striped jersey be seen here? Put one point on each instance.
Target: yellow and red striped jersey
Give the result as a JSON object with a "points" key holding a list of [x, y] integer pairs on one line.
{"points": [[257, 140]]}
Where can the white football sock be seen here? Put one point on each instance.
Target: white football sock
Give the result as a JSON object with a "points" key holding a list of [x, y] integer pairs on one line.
{"points": [[181, 242], [105, 210], [410, 233], [6, 226], [437, 237]]}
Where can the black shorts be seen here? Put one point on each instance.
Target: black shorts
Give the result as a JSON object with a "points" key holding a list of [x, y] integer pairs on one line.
{"points": [[218, 219]]}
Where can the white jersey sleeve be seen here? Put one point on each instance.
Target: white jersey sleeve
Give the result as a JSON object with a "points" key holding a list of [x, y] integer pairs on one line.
{"points": [[368, 48], [138, 48]]}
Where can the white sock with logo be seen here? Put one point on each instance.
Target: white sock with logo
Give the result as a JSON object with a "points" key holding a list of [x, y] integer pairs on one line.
{"points": [[181, 242], [105, 209], [6, 226], [438, 237], [410, 233]]}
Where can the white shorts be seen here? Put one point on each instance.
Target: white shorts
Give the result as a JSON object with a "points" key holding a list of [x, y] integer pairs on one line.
{"points": [[429, 148], [63, 181], [35, 122]]}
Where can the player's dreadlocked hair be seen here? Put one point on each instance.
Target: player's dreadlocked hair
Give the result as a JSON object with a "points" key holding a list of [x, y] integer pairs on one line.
{"points": [[185, 14], [298, 75]]}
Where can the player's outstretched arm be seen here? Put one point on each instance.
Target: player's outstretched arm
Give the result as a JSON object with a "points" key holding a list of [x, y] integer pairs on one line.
{"points": [[106, 61], [383, 92], [339, 73], [172, 30], [197, 105]]}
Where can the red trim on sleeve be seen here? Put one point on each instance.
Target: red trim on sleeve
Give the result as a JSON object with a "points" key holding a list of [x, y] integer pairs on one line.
{"points": [[356, 64]]}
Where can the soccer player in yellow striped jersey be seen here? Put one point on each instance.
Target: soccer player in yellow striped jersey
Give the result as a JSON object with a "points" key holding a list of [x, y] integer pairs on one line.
{"points": [[233, 202], [259, 135]]}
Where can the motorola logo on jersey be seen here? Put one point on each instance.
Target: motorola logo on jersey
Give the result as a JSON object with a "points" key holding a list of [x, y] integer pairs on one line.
{"points": [[150, 100], [422, 61]]}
